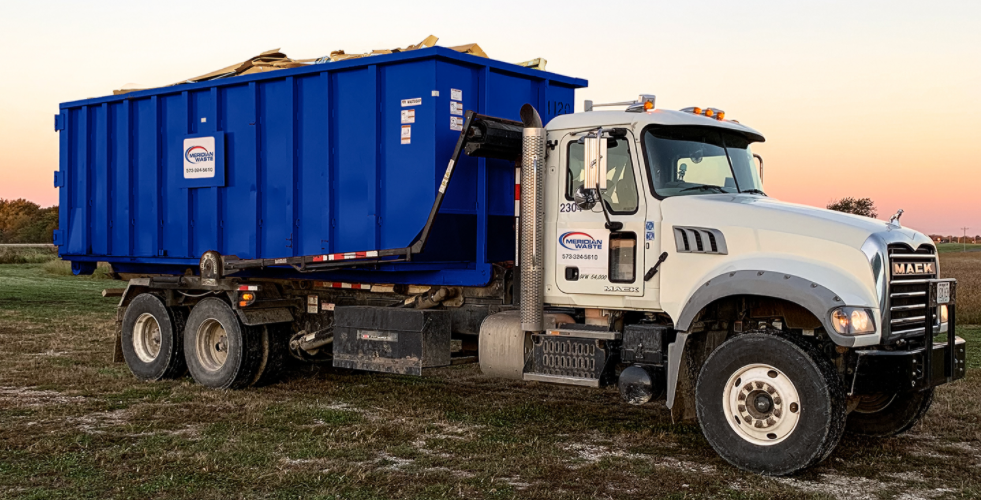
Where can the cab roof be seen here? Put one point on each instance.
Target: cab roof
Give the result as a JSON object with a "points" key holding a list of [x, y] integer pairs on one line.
{"points": [[592, 119]]}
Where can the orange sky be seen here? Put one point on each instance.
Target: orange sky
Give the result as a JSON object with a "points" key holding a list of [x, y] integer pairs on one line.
{"points": [[877, 99]]}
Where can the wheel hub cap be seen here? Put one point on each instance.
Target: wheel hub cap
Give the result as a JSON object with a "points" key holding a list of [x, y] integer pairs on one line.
{"points": [[761, 404], [212, 345], [146, 338]]}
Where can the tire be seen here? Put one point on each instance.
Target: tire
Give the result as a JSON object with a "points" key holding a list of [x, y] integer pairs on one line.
{"points": [[221, 352], [275, 347], [152, 339], [795, 426], [901, 412]]}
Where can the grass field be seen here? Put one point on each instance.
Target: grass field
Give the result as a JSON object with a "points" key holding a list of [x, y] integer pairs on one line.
{"points": [[958, 247], [10, 254], [74, 425]]}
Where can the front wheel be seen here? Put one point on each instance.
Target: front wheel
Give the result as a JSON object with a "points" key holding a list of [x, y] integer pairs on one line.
{"points": [[769, 404], [886, 415]]}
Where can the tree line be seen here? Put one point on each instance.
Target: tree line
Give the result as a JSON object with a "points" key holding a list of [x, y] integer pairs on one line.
{"points": [[23, 221]]}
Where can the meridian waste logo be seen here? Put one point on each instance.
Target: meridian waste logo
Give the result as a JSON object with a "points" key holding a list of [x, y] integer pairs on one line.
{"points": [[201, 158], [192, 155], [574, 240]]}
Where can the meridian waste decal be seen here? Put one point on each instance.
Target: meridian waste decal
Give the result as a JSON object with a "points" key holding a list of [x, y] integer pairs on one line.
{"points": [[583, 250], [574, 240], [199, 158]]}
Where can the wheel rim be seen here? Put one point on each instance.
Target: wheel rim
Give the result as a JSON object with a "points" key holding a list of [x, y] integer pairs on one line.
{"points": [[874, 403], [146, 338], [761, 404], [212, 345]]}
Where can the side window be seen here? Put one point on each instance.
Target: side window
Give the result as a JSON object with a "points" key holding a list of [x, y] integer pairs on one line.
{"points": [[623, 257], [621, 187]]}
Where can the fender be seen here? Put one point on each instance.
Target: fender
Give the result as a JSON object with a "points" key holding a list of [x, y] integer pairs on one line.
{"points": [[817, 299], [814, 297]]}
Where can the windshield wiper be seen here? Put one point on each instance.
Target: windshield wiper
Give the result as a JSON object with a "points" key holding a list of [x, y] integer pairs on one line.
{"points": [[756, 191], [704, 187]]}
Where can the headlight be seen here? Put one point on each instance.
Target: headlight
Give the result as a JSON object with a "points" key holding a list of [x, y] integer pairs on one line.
{"points": [[852, 321], [943, 314]]}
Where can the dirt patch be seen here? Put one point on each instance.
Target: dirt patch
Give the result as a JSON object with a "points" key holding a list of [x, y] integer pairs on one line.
{"points": [[26, 397], [98, 422], [860, 488]]}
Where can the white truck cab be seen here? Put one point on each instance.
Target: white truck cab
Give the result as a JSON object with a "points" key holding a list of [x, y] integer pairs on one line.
{"points": [[689, 186], [652, 258]]}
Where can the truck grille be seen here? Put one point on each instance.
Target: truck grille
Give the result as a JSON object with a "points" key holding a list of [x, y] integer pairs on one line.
{"points": [[908, 271]]}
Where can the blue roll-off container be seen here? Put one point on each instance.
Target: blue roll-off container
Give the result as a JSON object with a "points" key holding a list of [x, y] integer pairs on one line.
{"points": [[310, 160]]}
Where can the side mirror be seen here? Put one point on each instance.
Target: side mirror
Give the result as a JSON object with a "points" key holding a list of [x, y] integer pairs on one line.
{"points": [[759, 159], [595, 156], [585, 198]]}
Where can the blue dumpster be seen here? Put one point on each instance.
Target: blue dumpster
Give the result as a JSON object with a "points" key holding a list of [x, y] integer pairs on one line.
{"points": [[324, 159]]}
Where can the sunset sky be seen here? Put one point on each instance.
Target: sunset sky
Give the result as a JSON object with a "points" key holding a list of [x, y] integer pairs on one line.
{"points": [[872, 99]]}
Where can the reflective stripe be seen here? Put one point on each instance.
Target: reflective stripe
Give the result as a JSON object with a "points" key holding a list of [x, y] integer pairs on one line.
{"points": [[345, 256], [339, 284]]}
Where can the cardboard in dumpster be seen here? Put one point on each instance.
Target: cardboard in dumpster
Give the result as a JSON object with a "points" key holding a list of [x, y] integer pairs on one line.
{"points": [[272, 60]]}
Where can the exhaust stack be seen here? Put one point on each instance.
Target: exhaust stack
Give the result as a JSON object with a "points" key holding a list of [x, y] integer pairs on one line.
{"points": [[532, 220]]}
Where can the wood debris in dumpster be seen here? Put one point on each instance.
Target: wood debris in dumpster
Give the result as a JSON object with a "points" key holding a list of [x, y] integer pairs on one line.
{"points": [[272, 60]]}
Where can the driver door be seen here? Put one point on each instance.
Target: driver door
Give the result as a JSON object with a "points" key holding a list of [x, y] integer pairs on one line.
{"points": [[591, 259]]}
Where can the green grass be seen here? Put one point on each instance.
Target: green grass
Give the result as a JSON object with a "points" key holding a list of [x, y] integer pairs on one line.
{"points": [[27, 255], [86, 429], [958, 247]]}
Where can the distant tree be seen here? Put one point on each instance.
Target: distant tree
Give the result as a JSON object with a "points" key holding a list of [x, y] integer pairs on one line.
{"points": [[23, 221], [857, 206]]}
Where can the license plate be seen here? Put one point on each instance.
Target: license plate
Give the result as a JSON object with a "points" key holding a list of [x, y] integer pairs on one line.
{"points": [[943, 293]]}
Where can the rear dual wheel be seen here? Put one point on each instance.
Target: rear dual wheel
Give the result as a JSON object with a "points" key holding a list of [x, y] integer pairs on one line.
{"points": [[221, 352], [152, 338], [224, 353]]}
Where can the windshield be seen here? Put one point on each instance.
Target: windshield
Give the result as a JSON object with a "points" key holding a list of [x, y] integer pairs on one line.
{"points": [[697, 160]]}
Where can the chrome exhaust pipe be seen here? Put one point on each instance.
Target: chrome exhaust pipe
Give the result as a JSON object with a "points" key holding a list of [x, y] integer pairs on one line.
{"points": [[532, 220]]}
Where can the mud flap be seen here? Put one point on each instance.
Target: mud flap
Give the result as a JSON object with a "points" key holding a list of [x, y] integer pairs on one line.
{"points": [[683, 409], [685, 366], [117, 350]]}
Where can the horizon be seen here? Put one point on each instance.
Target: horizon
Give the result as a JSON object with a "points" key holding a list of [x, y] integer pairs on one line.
{"points": [[870, 100]]}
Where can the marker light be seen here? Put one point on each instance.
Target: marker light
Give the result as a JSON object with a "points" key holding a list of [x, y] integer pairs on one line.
{"points": [[697, 110], [721, 115], [709, 113], [246, 299], [648, 105], [852, 321]]}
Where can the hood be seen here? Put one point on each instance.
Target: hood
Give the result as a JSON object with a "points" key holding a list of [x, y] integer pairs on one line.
{"points": [[762, 213]]}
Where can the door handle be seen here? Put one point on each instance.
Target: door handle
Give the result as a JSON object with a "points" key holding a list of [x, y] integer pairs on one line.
{"points": [[652, 271]]}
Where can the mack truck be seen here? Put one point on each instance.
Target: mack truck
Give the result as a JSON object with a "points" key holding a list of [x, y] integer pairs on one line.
{"points": [[414, 210]]}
